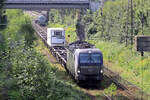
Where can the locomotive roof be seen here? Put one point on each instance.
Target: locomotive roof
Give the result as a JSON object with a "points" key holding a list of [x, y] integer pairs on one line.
{"points": [[80, 45], [89, 50]]}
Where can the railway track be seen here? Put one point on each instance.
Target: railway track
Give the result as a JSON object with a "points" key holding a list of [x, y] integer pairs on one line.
{"points": [[58, 52], [128, 89]]}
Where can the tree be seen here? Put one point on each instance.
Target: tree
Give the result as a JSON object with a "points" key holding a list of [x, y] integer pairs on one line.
{"points": [[2, 16], [1, 3]]}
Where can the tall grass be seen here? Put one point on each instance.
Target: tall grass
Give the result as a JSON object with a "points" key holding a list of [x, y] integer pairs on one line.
{"points": [[127, 62]]}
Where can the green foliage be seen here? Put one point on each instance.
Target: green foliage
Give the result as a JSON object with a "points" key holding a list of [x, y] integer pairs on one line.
{"points": [[1, 5], [34, 76], [92, 29], [14, 95], [127, 60], [111, 90], [20, 27], [28, 32], [112, 24], [3, 18], [26, 74], [113, 21], [71, 32], [66, 17]]}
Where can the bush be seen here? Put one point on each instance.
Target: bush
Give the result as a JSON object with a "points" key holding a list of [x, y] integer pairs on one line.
{"points": [[26, 74], [111, 90]]}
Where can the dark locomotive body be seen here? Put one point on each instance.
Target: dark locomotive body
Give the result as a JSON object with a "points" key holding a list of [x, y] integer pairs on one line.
{"points": [[84, 61]]}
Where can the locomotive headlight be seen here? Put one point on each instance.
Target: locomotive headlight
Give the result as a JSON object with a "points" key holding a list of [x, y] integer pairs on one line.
{"points": [[78, 71], [90, 51], [101, 71]]}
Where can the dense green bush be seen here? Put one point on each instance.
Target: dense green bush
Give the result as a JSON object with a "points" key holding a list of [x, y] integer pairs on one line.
{"points": [[26, 74], [34, 78]]}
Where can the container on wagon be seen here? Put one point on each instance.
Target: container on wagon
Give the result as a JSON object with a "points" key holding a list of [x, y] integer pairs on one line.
{"points": [[56, 37]]}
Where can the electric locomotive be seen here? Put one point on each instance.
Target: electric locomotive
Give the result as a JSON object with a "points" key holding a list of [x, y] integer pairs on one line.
{"points": [[84, 61]]}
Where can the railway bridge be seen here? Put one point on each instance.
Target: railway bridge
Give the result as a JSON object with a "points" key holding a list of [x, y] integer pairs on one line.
{"points": [[51, 4]]}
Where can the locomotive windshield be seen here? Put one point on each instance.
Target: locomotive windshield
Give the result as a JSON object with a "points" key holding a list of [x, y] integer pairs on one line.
{"points": [[90, 59]]}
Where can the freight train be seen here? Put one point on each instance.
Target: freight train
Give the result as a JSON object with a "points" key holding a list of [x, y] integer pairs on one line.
{"points": [[81, 59]]}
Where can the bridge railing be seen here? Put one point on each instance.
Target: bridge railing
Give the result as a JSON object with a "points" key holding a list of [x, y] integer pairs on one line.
{"points": [[47, 1]]}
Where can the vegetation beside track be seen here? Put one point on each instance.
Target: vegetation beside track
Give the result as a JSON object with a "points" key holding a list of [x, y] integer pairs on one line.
{"points": [[107, 29], [26, 73]]}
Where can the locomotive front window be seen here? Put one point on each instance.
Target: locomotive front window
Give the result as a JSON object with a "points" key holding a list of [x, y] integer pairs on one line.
{"points": [[89, 59]]}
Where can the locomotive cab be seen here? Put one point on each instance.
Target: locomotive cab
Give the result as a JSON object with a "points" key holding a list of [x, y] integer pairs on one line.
{"points": [[56, 37], [84, 61], [89, 64]]}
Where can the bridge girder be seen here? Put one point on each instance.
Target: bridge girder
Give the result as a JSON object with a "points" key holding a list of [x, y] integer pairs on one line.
{"points": [[53, 4]]}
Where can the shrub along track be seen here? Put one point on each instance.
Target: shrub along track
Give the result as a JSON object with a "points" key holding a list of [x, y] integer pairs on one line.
{"points": [[125, 90]]}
